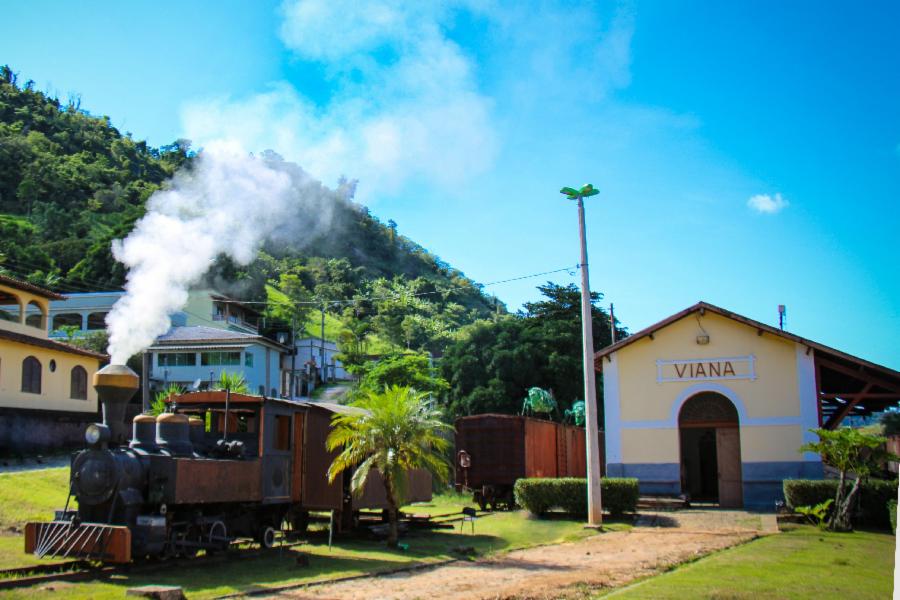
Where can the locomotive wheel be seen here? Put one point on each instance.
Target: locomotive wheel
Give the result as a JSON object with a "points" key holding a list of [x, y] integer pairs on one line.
{"points": [[217, 538], [266, 537]]}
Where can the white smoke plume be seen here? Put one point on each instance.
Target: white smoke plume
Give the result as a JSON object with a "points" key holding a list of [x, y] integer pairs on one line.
{"points": [[228, 203]]}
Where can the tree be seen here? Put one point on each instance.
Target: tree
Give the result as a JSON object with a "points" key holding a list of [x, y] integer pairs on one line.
{"points": [[394, 430], [854, 454], [232, 382], [160, 401], [493, 363], [403, 370]]}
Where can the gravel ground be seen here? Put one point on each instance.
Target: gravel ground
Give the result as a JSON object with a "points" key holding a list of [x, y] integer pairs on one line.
{"points": [[570, 570]]}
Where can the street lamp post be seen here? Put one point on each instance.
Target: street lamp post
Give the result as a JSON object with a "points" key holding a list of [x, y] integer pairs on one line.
{"points": [[595, 506]]}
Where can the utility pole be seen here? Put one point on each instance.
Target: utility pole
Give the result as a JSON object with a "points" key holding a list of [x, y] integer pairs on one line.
{"points": [[322, 349], [292, 388], [612, 322], [595, 506]]}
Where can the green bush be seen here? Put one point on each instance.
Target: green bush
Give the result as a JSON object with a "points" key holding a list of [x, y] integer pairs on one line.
{"points": [[538, 495], [892, 513], [871, 510]]}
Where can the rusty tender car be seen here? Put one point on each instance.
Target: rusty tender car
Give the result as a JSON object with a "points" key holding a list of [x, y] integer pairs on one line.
{"points": [[219, 467]]}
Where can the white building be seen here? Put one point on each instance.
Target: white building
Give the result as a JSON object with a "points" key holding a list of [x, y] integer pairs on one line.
{"points": [[307, 366]]}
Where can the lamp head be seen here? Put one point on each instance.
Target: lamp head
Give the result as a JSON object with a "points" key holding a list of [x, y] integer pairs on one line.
{"points": [[586, 191], [570, 192]]}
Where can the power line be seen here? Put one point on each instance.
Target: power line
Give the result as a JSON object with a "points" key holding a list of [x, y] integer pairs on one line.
{"points": [[83, 287], [321, 302]]}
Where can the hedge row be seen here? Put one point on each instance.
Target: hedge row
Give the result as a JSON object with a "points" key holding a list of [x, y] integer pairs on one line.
{"points": [[874, 495], [892, 513], [618, 495]]}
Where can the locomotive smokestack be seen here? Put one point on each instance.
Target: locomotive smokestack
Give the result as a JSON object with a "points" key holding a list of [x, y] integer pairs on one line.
{"points": [[115, 385]]}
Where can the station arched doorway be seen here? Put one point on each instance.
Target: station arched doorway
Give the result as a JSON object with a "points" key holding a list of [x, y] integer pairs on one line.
{"points": [[710, 439]]}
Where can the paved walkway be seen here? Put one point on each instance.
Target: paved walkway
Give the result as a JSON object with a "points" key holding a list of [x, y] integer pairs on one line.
{"points": [[657, 542]]}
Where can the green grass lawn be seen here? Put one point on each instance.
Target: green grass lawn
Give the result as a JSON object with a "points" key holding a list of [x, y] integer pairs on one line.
{"points": [[348, 556], [31, 496], [801, 562]]}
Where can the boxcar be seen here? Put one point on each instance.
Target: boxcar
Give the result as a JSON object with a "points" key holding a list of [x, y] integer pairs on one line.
{"points": [[494, 450]]}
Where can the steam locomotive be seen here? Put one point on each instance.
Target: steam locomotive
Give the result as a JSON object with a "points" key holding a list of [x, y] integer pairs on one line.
{"points": [[221, 466]]}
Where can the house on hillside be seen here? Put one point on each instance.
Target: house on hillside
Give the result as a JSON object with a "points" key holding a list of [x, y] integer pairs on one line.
{"points": [[714, 405], [46, 396], [313, 363], [194, 356], [208, 308]]}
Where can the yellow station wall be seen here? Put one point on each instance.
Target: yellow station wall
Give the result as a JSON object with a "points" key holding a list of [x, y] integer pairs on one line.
{"points": [[773, 394]]}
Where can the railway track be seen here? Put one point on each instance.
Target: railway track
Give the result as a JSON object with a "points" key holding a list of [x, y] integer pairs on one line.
{"points": [[78, 570]]}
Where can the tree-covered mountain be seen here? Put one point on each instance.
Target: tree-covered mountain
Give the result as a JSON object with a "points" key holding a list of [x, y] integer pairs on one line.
{"points": [[70, 183]]}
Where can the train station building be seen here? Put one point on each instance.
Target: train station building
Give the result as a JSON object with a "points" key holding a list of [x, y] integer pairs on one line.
{"points": [[715, 406]]}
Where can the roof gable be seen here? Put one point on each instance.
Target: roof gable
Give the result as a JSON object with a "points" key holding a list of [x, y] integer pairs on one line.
{"points": [[761, 328]]}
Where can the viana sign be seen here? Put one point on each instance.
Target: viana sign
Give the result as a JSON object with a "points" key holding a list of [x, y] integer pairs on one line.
{"points": [[706, 369]]}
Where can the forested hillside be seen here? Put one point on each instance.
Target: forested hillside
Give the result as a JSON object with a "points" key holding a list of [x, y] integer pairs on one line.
{"points": [[71, 182]]}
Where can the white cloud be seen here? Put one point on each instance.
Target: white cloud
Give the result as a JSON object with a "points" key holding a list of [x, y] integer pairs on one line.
{"points": [[767, 204], [409, 102], [404, 103]]}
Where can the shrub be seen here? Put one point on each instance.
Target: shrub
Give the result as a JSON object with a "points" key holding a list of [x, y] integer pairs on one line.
{"points": [[871, 510], [892, 513], [538, 495]]}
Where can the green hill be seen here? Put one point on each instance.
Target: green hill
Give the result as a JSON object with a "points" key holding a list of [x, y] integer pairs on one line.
{"points": [[70, 183]]}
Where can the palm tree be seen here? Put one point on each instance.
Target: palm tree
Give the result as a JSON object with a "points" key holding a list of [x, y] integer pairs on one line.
{"points": [[396, 430], [232, 382]]}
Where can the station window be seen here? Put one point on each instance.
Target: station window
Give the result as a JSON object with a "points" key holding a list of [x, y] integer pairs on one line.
{"points": [[177, 359], [78, 384], [248, 359], [31, 375], [282, 432], [211, 359]]}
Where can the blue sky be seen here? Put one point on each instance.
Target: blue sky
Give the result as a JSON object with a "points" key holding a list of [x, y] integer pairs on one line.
{"points": [[746, 155]]}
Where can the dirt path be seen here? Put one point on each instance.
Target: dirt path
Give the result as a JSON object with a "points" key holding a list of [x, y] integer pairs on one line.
{"points": [[565, 570]]}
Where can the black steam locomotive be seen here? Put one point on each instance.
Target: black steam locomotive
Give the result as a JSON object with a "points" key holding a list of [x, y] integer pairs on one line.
{"points": [[220, 467]]}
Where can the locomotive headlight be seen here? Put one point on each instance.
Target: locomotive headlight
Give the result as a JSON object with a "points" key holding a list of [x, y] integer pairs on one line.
{"points": [[96, 433]]}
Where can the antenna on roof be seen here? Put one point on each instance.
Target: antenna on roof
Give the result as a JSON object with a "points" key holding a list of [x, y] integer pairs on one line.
{"points": [[782, 313]]}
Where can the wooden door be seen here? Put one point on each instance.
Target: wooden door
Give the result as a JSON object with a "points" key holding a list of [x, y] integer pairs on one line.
{"points": [[728, 451], [297, 466]]}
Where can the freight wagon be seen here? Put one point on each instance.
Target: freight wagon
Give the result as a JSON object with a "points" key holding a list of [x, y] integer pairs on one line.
{"points": [[494, 450]]}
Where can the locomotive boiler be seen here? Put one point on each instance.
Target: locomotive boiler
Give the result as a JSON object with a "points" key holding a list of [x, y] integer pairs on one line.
{"points": [[217, 467]]}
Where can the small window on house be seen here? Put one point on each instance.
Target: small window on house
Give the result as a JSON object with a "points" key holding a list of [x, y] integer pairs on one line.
{"points": [[10, 309], [282, 432], [78, 384], [248, 359], [96, 321], [177, 359], [34, 316], [31, 375], [212, 359], [52, 366], [66, 320]]}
